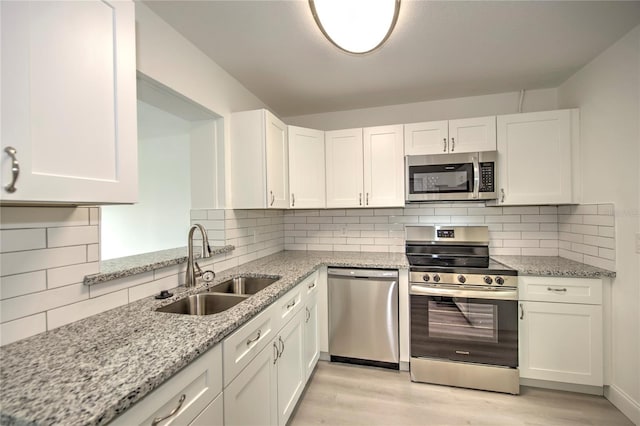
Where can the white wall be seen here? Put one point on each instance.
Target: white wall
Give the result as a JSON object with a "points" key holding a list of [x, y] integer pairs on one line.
{"points": [[445, 109], [167, 57], [160, 219], [607, 91]]}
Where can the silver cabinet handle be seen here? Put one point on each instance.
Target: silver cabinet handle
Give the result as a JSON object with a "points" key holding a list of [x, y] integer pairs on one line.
{"points": [[557, 290], [255, 339], [277, 352], [292, 304], [476, 177], [172, 413], [282, 343], [293, 199], [521, 311], [308, 315], [444, 148], [367, 200], [453, 144], [360, 199], [15, 169], [311, 285], [502, 195], [273, 198]]}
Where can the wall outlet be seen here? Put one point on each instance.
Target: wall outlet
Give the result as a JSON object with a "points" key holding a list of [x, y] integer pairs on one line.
{"points": [[638, 243]]}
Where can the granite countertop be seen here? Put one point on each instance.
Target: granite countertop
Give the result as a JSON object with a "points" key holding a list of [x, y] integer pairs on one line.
{"points": [[90, 371], [131, 265], [552, 266]]}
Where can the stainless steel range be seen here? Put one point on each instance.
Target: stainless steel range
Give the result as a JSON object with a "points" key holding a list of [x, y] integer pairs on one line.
{"points": [[464, 315]]}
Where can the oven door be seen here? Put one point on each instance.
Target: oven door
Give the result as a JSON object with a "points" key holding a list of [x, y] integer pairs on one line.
{"points": [[479, 326]]}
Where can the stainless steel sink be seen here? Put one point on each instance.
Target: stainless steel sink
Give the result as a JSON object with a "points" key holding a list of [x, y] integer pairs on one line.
{"points": [[203, 304], [243, 285]]}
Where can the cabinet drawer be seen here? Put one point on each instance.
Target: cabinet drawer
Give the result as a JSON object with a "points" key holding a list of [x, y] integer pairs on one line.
{"points": [[246, 342], [212, 415], [310, 285], [567, 290], [288, 305], [196, 386]]}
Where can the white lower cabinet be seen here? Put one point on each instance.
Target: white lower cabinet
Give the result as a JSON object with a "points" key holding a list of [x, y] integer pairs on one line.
{"points": [[185, 398], [311, 334], [561, 331], [212, 415], [268, 388], [251, 398]]}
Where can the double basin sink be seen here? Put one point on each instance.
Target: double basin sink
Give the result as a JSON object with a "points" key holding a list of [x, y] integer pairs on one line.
{"points": [[220, 297]]}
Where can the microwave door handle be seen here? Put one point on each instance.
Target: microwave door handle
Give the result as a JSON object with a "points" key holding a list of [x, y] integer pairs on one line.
{"points": [[476, 177]]}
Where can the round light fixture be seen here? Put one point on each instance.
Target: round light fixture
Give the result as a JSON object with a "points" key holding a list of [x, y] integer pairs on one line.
{"points": [[356, 26]]}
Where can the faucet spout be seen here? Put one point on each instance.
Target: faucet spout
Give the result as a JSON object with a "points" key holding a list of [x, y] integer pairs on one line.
{"points": [[193, 270]]}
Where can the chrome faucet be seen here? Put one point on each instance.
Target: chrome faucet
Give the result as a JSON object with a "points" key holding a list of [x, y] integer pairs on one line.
{"points": [[193, 270]]}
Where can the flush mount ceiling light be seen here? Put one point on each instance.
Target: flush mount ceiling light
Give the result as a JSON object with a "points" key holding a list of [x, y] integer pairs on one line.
{"points": [[356, 26]]}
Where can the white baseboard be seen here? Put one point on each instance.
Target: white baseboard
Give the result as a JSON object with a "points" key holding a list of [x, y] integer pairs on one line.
{"points": [[623, 402]]}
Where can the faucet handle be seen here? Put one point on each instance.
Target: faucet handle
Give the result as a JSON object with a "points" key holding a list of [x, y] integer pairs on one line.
{"points": [[208, 276]]}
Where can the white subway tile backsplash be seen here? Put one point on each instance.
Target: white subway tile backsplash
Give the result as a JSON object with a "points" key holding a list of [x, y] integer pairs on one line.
{"points": [[528, 210], [539, 251], [605, 209], [22, 328], [599, 262], [154, 287], [539, 218], [93, 252], [531, 227], [58, 277], [71, 236], [540, 235], [599, 220], [22, 239], [34, 303], [606, 253], [70, 313], [35, 260], [20, 284], [120, 284], [43, 217], [503, 219]]}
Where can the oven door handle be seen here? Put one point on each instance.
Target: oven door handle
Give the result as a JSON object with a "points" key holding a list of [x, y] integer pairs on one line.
{"points": [[502, 294], [476, 177]]}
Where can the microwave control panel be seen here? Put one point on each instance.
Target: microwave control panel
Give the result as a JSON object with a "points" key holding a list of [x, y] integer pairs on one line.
{"points": [[486, 177]]}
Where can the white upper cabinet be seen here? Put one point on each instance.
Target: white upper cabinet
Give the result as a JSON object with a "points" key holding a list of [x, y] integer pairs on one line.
{"points": [[259, 161], [383, 166], [69, 102], [306, 168], [344, 165], [365, 167], [441, 137], [534, 157]]}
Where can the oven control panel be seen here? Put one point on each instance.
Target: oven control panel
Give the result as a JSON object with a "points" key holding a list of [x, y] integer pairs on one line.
{"points": [[464, 279]]}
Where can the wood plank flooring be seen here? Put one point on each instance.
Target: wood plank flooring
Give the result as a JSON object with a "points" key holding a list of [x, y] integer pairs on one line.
{"points": [[341, 394]]}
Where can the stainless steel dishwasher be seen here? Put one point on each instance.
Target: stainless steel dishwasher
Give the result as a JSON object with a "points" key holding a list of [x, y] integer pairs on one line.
{"points": [[363, 316]]}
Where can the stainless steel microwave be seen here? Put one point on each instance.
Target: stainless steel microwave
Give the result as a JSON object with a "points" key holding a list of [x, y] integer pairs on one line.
{"points": [[451, 177]]}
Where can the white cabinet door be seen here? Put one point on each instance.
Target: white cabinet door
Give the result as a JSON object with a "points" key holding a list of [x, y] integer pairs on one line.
{"points": [[290, 366], [311, 334], [69, 101], [441, 137], [345, 186], [534, 157], [561, 342], [306, 168], [277, 162], [259, 161], [212, 415], [426, 138], [383, 166], [251, 399], [472, 134]]}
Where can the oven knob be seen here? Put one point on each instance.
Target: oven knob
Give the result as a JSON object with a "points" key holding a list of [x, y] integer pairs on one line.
{"points": [[436, 278], [487, 279], [462, 279], [425, 277], [499, 280]]}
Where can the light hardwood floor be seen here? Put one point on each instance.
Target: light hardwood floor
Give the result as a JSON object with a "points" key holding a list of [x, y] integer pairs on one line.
{"points": [[341, 394]]}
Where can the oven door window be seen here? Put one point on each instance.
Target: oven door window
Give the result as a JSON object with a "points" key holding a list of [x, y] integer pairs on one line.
{"points": [[463, 319], [441, 178], [483, 331]]}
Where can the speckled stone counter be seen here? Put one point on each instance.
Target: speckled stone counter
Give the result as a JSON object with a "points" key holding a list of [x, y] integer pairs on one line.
{"points": [[552, 266], [132, 265], [88, 372]]}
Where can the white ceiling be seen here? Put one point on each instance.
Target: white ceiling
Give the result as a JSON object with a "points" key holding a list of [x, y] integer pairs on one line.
{"points": [[439, 49]]}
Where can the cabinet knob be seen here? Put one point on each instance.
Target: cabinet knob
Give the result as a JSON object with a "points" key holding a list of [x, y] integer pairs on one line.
{"points": [[453, 144], [15, 169], [444, 148]]}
